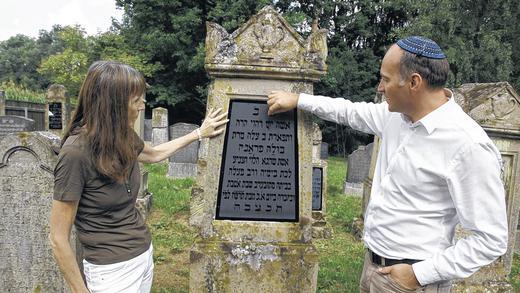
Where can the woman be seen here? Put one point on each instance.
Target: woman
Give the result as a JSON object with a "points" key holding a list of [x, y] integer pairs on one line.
{"points": [[97, 181]]}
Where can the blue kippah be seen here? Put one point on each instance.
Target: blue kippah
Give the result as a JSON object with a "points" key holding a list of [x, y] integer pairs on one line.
{"points": [[421, 46]]}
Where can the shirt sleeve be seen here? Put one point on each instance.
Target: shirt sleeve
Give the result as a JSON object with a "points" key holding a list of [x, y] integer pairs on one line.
{"points": [[478, 195], [69, 174], [366, 117]]}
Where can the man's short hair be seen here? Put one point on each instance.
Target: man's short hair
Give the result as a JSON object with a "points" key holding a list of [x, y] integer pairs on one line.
{"points": [[434, 71]]}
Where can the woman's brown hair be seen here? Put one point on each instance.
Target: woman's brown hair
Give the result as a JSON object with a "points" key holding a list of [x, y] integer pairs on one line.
{"points": [[103, 113]]}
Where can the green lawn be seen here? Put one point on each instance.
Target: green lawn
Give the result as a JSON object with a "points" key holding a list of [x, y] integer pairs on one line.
{"points": [[341, 258]]}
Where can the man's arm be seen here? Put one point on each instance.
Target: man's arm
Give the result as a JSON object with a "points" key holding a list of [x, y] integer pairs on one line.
{"points": [[478, 195], [366, 117], [62, 218]]}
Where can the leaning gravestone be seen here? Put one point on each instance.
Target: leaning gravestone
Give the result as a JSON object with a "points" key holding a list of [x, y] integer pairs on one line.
{"points": [[159, 126], [26, 188], [183, 163], [251, 204], [358, 166], [13, 124]]}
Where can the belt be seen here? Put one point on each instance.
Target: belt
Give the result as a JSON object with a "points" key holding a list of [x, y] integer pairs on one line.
{"points": [[382, 261]]}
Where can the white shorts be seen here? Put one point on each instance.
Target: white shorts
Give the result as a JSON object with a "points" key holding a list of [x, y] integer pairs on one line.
{"points": [[132, 276]]}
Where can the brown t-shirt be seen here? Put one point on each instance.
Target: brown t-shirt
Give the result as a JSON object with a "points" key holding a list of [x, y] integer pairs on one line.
{"points": [[109, 226]]}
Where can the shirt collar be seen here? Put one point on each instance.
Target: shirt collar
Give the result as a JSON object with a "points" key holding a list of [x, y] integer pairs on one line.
{"points": [[436, 117]]}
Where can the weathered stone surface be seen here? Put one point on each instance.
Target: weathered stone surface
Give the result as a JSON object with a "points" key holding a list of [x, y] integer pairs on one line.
{"points": [[13, 124], [26, 188], [358, 167], [255, 256], [147, 130], [159, 126], [324, 151]]}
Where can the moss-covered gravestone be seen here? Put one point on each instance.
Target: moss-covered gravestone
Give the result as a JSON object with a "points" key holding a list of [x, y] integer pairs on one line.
{"points": [[251, 204]]}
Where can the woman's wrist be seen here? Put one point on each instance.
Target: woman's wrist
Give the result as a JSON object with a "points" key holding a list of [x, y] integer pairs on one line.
{"points": [[199, 135]]}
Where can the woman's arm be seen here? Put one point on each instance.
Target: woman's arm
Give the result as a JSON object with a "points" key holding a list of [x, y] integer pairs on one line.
{"points": [[62, 218], [154, 154]]}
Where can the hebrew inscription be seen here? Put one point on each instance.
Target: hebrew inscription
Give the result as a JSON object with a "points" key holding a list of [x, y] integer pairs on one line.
{"points": [[258, 176], [317, 183]]}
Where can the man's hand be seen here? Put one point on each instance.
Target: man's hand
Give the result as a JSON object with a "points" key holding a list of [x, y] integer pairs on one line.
{"points": [[402, 274], [280, 101]]}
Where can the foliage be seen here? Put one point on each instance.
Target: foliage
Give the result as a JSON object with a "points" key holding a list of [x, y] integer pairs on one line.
{"points": [[16, 92]]}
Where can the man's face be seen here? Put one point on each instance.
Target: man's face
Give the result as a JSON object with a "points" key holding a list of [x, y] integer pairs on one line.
{"points": [[395, 90], [135, 105]]}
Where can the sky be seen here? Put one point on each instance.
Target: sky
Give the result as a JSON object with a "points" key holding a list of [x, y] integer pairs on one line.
{"points": [[28, 17]]}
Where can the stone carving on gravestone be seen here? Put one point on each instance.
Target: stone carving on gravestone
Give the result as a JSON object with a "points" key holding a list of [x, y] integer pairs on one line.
{"points": [[159, 126], [26, 190], [358, 166], [242, 252], [13, 124], [183, 163]]}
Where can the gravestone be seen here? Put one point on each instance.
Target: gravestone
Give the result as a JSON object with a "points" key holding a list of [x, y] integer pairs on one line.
{"points": [[261, 166], [159, 126], [320, 229], [358, 166], [496, 107], [183, 163], [59, 109], [324, 149], [26, 189], [13, 124], [2, 103], [147, 130]]}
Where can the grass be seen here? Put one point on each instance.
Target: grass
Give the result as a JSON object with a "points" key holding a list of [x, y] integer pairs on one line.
{"points": [[341, 258]]}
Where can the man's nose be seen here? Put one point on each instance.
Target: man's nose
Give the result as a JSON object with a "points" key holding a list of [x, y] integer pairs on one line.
{"points": [[380, 87]]}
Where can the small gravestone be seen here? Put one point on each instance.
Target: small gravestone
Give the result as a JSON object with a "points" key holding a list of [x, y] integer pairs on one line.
{"points": [[320, 229], [358, 166], [59, 108], [159, 126], [147, 130], [26, 189], [13, 124], [183, 163]]}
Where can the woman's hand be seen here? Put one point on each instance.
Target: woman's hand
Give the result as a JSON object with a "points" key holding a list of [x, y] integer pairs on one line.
{"points": [[212, 122]]}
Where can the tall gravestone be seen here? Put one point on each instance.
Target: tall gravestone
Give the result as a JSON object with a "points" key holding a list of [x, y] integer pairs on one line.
{"points": [[26, 188], [183, 163], [251, 204], [159, 126], [358, 167], [2, 103], [59, 109], [496, 107], [320, 229]]}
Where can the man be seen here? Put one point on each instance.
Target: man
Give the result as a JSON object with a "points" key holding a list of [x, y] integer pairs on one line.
{"points": [[436, 168]]}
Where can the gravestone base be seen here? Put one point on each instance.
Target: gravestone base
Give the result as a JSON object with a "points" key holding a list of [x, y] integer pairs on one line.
{"points": [[144, 204], [320, 229], [182, 170], [486, 287], [218, 266], [353, 189]]}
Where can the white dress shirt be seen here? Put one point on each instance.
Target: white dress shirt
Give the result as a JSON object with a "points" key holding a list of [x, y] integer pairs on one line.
{"points": [[430, 175]]}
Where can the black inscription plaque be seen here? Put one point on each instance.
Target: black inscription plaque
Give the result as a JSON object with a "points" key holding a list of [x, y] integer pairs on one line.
{"points": [[55, 119], [259, 170], [317, 183]]}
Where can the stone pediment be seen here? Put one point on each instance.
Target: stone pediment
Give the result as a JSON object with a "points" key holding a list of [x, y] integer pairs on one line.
{"points": [[492, 105], [264, 46]]}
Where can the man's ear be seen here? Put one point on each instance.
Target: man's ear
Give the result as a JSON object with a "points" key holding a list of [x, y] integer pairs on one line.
{"points": [[416, 81]]}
